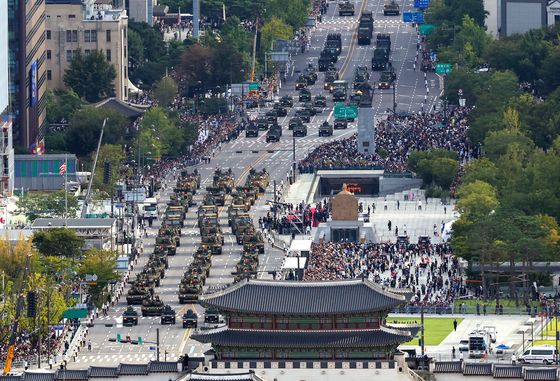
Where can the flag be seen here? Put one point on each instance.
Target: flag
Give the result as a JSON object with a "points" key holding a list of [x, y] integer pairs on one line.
{"points": [[62, 169], [179, 17], [224, 11]]}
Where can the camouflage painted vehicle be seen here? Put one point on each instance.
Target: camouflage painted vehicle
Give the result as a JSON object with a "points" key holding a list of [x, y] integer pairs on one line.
{"points": [[166, 245], [213, 243], [170, 232], [240, 220], [224, 180], [217, 195], [159, 256], [200, 266], [258, 179], [253, 240], [210, 220], [214, 231], [137, 294], [194, 272], [247, 266], [157, 264], [152, 275], [174, 222], [206, 210], [176, 211], [190, 290], [240, 201], [249, 192], [145, 281], [181, 197], [152, 306], [234, 211]]}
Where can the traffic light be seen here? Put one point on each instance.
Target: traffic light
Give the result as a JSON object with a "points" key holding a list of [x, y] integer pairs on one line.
{"points": [[106, 172], [31, 304]]}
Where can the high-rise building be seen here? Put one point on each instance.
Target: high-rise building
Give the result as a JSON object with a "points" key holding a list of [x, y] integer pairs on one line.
{"points": [[142, 10], [73, 25], [6, 149], [26, 24]]}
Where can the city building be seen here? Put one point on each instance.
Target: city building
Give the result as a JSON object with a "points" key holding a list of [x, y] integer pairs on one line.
{"points": [[98, 233], [520, 16], [142, 10], [553, 12], [26, 24], [6, 148], [282, 320], [42, 172], [73, 25]]}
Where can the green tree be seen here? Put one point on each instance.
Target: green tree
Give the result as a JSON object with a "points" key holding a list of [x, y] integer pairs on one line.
{"points": [[135, 50], [85, 127], [196, 65], [476, 200], [274, 29], [58, 242], [228, 66], [102, 263], [91, 76], [165, 90], [47, 205], [480, 169], [152, 39], [549, 71], [159, 135], [292, 12], [61, 105], [498, 142], [235, 36]]}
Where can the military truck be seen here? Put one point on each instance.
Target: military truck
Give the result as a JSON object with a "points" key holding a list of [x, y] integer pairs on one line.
{"points": [[190, 290], [190, 319], [152, 306], [299, 130], [383, 41], [130, 317], [274, 133], [213, 242], [346, 9], [325, 129], [206, 210], [361, 75], [137, 294], [365, 28], [173, 222], [262, 124], [253, 239], [380, 59], [320, 101], [287, 101], [214, 231], [280, 110], [386, 80], [304, 95], [258, 179], [301, 82], [217, 195], [365, 95], [304, 115], [325, 62], [271, 117], [391, 9], [340, 90], [223, 180], [330, 77], [340, 123], [334, 41], [294, 122], [251, 130], [175, 211], [168, 315]]}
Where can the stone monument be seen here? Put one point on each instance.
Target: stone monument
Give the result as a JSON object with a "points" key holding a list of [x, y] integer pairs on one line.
{"points": [[344, 206]]}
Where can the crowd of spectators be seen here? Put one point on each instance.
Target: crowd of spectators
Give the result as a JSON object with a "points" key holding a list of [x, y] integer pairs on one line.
{"points": [[395, 138], [26, 344], [432, 272]]}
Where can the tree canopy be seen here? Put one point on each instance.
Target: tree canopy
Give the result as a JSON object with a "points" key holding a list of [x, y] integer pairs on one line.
{"points": [[91, 76]]}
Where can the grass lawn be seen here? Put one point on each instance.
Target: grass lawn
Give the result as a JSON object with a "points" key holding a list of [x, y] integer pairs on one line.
{"points": [[435, 329], [545, 342], [550, 329]]}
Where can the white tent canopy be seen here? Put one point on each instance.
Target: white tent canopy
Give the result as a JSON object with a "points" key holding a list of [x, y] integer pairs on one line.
{"points": [[133, 89], [300, 246]]}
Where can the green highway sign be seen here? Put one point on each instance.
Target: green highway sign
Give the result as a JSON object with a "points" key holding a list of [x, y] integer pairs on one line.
{"points": [[343, 111], [443, 68], [253, 86], [426, 29]]}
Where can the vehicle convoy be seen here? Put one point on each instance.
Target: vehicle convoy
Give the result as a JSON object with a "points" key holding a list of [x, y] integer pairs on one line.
{"points": [[330, 76], [320, 101], [386, 80], [365, 28], [346, 9], [391, 9], [190, 319], [334, 41], [168, 315], [382, 52], [365, 95], [294, 122], [152, 306], [361, 76], [130, 317], [286, 101], [299, 130], [252, 130], [325, 129], [340, 90], [280, 110]]}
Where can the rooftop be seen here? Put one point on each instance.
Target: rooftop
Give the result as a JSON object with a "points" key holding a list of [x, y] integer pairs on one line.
{"points": [[304, 298], [49, 223]]}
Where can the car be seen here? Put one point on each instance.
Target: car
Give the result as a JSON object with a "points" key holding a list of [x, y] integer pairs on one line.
{"points": [[304, 115], [280, 110], [262, 123], [320, 101], [168, 315], [286, 101], [464, 345], [539, 354], [300, 130], [271, 117], [274, 133], [304, 95], [190, 319], [295, 121], [340, 123]]}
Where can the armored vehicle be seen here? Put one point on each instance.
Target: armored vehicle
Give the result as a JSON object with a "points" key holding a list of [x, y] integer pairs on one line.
{"points": [[304, 115], [240, 220], [190, 319], [287, 101], [325, 129], [340, 89], [137, 294], [152, 306], [168, 315], [176, 223], [330, 77], [386, 80], [294, 122], [251, 130], [262, 124], [391, 9], [167, 245], [320, 101], [280, 109], [334, 41], [258, 179], [214, 231], [346, 9], [253, 240], [213, 242], [299, 130], [224, 179], [271, 117], [304, 95], [274, 133], [130, 317], [340, 123], [190, 289]]}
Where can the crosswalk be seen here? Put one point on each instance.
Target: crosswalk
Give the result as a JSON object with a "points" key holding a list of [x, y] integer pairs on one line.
{"points": [[354, 21], [126, 358]]}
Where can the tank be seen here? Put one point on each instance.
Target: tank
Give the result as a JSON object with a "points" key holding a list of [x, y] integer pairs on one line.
{"points": [[137, 294]]}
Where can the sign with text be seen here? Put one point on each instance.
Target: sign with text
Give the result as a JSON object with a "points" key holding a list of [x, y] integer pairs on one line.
{"points": [[443, 68], [417, 17], [421, 4], [343, 111]]}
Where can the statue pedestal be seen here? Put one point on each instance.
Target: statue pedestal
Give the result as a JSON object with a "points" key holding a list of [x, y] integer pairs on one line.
{"points": [[354, 231]]}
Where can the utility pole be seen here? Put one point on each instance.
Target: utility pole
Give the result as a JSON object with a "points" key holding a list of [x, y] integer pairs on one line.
{"points": [[157, 344], [39, 331], [422, 329], [294, 159], [275, 202], [394, 98]]}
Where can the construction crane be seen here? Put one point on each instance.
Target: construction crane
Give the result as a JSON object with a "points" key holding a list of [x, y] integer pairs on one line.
{"points": [[88, 193], [254, 50], [15, 322]]}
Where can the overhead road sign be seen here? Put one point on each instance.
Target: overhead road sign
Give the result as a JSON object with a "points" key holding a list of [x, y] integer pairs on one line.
{"points": [[426, 29], [443, 68], [416, 17], [343, 111], [421, 4]]}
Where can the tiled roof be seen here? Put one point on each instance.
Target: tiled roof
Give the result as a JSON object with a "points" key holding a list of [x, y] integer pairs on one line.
{"points": [[508, 371], [477, 369], [223, 377], [540, 374], [303, 298], [71, 374], [303, 339], [121, 107], [448, 367], [133, 369], [11, 378], [103, 372], [162, 367], [29, 376]]}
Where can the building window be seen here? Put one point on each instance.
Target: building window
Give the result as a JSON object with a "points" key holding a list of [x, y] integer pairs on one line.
{"points": [[69, 55], [49, 54], [71, 16], [48, 34], [93, 36], [108, 54], [49, 75], [124, 31], [125, 52], [108, 35], [74, 36], [125, 72], [68, 36], [556, 19], [87, 52], [87, 36]]}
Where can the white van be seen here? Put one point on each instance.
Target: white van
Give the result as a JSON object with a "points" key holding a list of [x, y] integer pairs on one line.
{"points": [[542, 354], [149, 208]]}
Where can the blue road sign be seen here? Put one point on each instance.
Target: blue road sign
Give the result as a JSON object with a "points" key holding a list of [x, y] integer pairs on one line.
{"points": [[421, 4], [417, 17], [152, 348]]}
